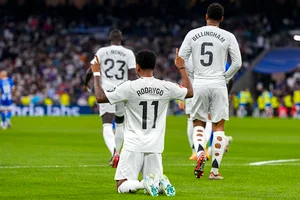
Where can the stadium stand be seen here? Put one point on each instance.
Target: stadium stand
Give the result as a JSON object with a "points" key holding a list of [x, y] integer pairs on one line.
{"points": [[48, 52]]}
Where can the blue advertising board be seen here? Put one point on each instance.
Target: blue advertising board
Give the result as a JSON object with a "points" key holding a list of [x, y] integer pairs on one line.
{"points": [[43, 110]]}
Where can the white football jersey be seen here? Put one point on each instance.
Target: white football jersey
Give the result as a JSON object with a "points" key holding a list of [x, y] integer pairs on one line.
{"points": [[146, 104], [115, 62], [209, 47]]}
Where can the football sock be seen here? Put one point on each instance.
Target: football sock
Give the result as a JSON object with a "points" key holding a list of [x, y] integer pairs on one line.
{"points": [[3, 117], [109, 137], [119, 136], [218, 148], [130, 186], [190, 133], [8, 115], [208, 130], [199, 139]]}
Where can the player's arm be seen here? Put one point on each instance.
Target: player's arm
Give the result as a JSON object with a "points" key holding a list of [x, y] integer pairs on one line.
{"points": [[179, 62], [236, 59], [87, 78], [98, 90], [229, 85], [186, 49], [132, 75]]}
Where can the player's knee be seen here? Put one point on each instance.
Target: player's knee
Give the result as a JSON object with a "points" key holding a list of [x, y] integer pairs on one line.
{"points": [[219, 138], [119, 119], [217, 154]]}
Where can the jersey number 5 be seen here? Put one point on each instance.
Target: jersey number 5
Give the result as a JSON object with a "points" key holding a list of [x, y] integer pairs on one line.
{"points": [[112, 64], [144, 114], [209, 53]]}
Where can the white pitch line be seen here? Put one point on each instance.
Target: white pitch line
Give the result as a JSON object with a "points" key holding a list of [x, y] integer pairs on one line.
{"points": [[273, 161], [50, 166], [80, 166]]}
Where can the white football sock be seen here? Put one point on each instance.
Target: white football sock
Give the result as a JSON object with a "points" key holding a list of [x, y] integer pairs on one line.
{"points": [[130, 186], [208, 130], [109, 137], [218, 147], [199, 139], [190, 133], [119, 136]]}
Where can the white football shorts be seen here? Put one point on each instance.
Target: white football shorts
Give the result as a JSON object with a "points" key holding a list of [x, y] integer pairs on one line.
{"points": [[4, 108], [117, 109], [210, 100], [132, 163]]}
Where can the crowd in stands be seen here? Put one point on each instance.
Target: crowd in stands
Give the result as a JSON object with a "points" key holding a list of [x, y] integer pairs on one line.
{"points": [[47, 55], [279, 98]]}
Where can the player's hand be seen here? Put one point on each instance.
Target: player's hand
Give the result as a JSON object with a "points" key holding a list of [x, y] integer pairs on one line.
{"points": [[179, 62], [87, 89], [96, 66]]}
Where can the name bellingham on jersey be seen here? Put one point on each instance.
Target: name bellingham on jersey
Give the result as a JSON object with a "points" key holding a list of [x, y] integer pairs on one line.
{"points": [[208, 33]]}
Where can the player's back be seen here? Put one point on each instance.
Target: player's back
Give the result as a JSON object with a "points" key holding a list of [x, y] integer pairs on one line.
{"points": [[115, 60], [6, 87], [210, 46], [146, 111]]}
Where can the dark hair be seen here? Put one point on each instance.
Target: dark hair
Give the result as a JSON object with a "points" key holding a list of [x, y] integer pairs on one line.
{"points": [[146, 59], [215, 11], [115, 35]]}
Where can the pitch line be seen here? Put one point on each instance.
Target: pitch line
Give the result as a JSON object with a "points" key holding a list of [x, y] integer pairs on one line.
{"points": [[273, 162], [50, 166]]}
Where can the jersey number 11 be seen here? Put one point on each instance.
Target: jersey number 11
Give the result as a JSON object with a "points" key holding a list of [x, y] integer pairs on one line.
{"points": [[144, 114]]}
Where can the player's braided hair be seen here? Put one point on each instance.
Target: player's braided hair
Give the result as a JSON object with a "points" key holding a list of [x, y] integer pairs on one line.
{"points": [[215, 11], [146, 59]]}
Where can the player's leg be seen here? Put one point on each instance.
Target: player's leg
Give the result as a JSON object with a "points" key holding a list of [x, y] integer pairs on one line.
{"points": [[218, 148], [188, 107], [219, 113], [8, 117], [127, 172], [3, 119], [107, 114], [208, 135], [199, 114], [199, 142], [190, 137], [154, 177], [119, 133]]}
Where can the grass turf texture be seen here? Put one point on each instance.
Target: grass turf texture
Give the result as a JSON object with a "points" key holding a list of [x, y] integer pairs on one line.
{"points": [[53, 158]]}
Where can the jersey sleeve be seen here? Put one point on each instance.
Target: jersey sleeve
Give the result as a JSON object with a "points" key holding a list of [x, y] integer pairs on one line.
{"points": [[131, 60], [236, 59], [186, 49], [176, 91], [98, 54], [119, 93]]}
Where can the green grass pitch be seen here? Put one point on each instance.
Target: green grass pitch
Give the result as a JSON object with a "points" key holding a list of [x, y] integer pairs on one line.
{"points": [[66, 158]]}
